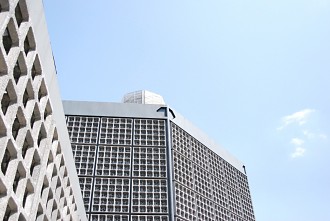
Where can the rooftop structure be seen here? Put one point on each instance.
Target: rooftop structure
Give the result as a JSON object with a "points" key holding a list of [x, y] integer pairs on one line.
{"points": [[143, 97]]}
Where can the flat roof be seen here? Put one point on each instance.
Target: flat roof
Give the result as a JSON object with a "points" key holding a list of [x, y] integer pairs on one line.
{"points": [[133, 110]]}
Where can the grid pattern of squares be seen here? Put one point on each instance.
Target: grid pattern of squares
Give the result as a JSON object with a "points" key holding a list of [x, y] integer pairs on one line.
{"points": [[199, 154], [108, 217], [220, 213], [84, 159], [185, 203], [111, 195], [219, 190], [202, 181], [246, 207], [216, 165], [129, 181], [34, 184], [149, 196], [149, 162], [86, 190], [116, 131], [234, 202], [149, 218], [183, 170], [181, 141], [204, 208], [114, 161], [149, 132], [83, 129], [243, 185]]}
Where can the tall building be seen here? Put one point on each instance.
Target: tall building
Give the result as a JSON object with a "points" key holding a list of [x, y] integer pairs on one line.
{"points": [[38, 180], [133, 161], [142, 161]]}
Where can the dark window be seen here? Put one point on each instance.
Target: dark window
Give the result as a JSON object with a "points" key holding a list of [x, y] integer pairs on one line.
{"points": [[5, 102], [16, 127], [17, 72], [18, 15], [5, 161], [27, 46], [7, 41]]}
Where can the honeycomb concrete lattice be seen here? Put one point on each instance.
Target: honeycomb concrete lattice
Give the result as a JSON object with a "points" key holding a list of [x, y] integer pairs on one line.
{"points": [[35, 182]]}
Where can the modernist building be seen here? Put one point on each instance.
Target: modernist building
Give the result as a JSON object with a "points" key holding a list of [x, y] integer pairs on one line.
{"points": [[142, 161], [136, 161], [38, 180]]}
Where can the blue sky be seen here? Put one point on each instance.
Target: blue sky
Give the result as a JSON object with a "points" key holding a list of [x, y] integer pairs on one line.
{"points": [[254, 75]]}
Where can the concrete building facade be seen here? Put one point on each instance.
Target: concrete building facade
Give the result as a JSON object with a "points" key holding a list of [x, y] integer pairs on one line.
{"points": [[38, 180], [145, 162], [133, 161]]}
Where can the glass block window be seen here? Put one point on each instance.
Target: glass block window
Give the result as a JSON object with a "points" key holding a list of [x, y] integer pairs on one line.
{"points": [[149, 196], [185, 202], [181, 141], [84, 156], [183, 170], [207, 186], [109, 217], [149, 218], [149, 162], [199, 154], [204, 208], [83, 129], [219, 192], [149, 132], [114, 161], [86, 190], [116, 131], [202, 182], [111, 195]]}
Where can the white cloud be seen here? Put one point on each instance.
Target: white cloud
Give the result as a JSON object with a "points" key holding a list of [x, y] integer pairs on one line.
{"points": [[299, 117], [299, 152], [305, 134], [323, 136], [311, 135], [297, 141]]}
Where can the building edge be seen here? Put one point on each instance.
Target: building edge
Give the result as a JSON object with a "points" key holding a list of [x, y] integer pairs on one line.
{"points": [[202, 137], [39, 25]]}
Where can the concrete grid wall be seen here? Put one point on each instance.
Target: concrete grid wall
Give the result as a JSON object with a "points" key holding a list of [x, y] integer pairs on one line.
{"points": [[206, 186], [122, 167], [36, 178]]}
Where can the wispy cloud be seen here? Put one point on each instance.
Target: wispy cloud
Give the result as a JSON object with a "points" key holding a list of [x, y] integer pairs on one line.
{"points": [[323, 136], [299, 118], [298, 152], [311, 135], [303, 134], [297, 142]]}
